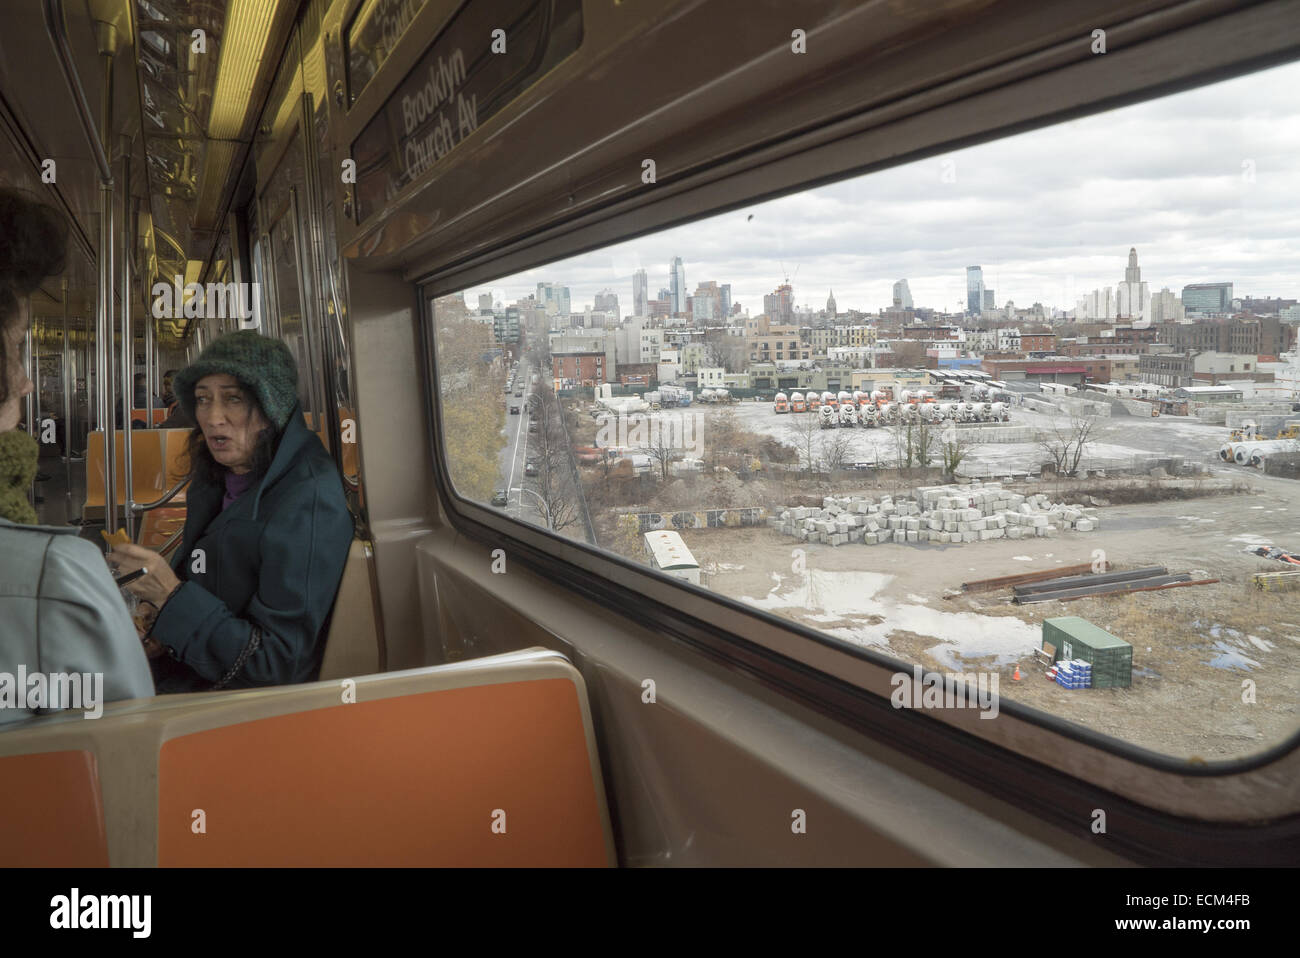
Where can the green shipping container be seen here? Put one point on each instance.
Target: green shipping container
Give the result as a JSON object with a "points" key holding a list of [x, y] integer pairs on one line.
{"points": [[1076, 638]]}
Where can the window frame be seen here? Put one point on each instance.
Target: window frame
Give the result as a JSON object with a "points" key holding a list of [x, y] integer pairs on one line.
{"points": [[706, 621]]}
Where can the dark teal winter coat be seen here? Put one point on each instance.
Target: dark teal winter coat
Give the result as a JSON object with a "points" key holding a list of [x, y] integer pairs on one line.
{"points": [[273, 559]]}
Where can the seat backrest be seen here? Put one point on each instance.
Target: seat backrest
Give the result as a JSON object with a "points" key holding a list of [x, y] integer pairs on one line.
{"points": [[159, 414], [175, 442], [354, 643], [51, 810], [489, 762], [146, 466]]}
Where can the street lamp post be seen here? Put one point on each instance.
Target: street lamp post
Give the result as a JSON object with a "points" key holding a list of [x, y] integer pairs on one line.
{"points": [[545, 510]]}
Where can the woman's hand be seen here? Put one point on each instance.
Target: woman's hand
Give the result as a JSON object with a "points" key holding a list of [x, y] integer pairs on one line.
{"points": [[158, 582]]}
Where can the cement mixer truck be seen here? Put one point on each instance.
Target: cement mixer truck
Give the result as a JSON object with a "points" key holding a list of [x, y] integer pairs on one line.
{"points": [[798, 403], [848, 413], [828, 417], [781, 404], [1254, 453]]}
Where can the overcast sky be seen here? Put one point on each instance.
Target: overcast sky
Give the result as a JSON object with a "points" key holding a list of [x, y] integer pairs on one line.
{"points": [[1049, 215]]}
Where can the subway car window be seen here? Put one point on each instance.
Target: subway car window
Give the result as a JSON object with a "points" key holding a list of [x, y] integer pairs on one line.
{"points": [[1027, 408], [648, 434]]}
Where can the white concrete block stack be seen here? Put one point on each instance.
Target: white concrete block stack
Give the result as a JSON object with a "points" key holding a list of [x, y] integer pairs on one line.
{"points": [[944, 514]]}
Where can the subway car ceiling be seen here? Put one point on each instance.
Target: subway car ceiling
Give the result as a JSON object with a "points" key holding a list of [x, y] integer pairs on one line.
{"points": [[222, 121]]}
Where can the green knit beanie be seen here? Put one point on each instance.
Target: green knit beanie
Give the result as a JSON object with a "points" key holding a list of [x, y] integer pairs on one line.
{"points": [[264, 366]]}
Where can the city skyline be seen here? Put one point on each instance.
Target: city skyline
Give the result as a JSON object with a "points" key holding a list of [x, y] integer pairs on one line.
{"points": [[1199, 211]]}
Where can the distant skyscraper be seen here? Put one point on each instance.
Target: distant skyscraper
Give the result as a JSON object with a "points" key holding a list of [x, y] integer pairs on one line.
{"points": [[990, 301], [607, 302], [830, 303], [902, 295], [779, 305], [677, 283], [1166, 307], [1207, 298], [726, 299], [974, 289], [485, 302], [554, 298], [640, 293], [1133, 299]]}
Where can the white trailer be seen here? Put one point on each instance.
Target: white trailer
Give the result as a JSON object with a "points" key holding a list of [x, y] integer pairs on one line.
{"points": [[668, 553]]}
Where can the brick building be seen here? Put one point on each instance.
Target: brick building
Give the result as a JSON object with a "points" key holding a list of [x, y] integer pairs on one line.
{"points": [[580, 367], [1037, 342]]}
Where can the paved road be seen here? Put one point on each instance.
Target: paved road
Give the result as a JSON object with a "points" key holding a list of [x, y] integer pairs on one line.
{"points": [[515, 454]]}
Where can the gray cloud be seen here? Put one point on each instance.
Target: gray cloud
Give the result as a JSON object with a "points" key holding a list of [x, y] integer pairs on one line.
{"points": [[1049, 215]]}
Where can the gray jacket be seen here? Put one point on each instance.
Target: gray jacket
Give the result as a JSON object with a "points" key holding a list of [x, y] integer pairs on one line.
{"points": [[61, 613]]}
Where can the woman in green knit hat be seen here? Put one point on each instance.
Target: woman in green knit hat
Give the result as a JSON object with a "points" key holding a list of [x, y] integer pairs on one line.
{"points": [[246, 597], [60, 611]]}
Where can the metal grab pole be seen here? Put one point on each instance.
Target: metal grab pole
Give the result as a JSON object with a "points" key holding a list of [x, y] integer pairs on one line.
{"points": [[68, 382], [128, 347], [103, 358], [29, 399], [29, 362]]}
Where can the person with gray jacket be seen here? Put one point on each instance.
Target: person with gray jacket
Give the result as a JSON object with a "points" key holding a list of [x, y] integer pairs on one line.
{"points": [[66, 638]]}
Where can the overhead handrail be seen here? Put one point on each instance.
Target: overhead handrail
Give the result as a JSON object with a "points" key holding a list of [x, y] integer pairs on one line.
{"points": [[58, 33]]}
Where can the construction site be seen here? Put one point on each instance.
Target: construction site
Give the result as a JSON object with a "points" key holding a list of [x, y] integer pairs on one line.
{"points": [[1179, 582], [1146, 586]]}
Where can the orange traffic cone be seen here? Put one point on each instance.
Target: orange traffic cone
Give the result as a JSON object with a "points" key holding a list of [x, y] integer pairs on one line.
{"points": [[1016, 677]]}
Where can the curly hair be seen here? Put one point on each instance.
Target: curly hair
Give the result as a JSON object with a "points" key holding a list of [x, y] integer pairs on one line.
{"points": [[33, 245]]}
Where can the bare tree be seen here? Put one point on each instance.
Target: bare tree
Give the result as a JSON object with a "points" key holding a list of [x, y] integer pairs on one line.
{"points": [[555, 481], [1066, 440], [909, 352], [725, 434], [661, 448], [836, 449], [804, 430], [953, 449]]}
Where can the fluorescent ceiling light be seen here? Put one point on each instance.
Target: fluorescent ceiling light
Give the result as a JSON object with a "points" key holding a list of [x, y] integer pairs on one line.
{"points": [[243, 44]]}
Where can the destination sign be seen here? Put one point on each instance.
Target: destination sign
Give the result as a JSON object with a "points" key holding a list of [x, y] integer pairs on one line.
{"points": [[374, 32], [488, 55]]}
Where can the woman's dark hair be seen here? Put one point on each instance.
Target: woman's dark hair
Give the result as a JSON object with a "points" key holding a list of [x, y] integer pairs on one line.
{"points": [[33, 244], [203, 468]]}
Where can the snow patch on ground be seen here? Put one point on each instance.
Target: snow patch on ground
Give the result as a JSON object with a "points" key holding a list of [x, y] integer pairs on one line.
{"points": [[1250, 539], [1264, 645], [1022, 558], [854, 596]]}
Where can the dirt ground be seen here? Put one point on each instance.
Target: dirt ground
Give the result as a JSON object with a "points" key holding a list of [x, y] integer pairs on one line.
{"points": [[1193, 648]]}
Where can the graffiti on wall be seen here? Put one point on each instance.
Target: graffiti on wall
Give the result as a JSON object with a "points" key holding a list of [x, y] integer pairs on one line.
{"points": [[697, 519]]}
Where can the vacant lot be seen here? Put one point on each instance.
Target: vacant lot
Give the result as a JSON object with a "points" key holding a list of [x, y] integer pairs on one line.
{"points": [[1192, 647]]}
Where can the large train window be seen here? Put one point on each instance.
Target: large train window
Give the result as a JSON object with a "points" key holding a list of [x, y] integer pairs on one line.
{"points": [[1025, 409]]}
